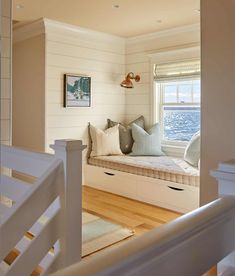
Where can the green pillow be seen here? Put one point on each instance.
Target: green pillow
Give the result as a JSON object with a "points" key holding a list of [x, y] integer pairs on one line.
{"points": [[146, 142], [192, 151], [125, 133]]}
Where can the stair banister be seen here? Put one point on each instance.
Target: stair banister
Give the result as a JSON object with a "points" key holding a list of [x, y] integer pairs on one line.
{"points": [[225, 175], [70, 151], [189, 245]]}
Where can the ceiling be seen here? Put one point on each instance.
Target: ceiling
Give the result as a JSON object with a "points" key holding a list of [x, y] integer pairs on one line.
{"points": [[131, 18]]}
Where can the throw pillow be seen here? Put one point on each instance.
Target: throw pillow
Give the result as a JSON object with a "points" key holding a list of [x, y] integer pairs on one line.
{"points": [[146, 142], [192, 151], [125, 133], [105, 142]]}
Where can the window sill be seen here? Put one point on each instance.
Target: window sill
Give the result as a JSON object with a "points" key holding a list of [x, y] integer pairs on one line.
{"points": [[175, 151]]}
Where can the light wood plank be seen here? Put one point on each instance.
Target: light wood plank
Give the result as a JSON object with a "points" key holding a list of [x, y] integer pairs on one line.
{"points": [[133, 214]]}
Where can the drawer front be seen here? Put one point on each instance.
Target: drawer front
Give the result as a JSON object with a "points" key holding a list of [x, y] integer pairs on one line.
{"points": [[169, 195], [110, 181]]}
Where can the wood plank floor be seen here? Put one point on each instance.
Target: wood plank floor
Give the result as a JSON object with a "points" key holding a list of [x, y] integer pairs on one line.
{"points": [[133, 214]]}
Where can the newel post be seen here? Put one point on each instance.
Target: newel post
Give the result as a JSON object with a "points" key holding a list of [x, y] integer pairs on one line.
{"points": [[70, 151], [225, 175]]}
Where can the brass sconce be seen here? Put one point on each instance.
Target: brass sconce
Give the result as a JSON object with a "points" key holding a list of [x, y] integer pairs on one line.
{"points": [[127, 83]]}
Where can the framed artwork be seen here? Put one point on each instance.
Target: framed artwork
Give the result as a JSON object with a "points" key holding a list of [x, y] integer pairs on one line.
{"points": [[77, 90]]}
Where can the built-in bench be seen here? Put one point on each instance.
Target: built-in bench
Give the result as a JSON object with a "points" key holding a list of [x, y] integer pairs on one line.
{"points": [[163, 181]]}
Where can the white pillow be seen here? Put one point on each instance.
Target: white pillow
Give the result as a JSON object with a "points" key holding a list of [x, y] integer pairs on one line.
{"points": [[192, 151], [105, 142]]}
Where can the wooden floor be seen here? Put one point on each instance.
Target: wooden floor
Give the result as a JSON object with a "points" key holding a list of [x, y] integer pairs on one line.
{"points": [[133, 214]]}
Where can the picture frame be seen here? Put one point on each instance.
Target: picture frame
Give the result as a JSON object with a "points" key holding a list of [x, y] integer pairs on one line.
{"points": [[77, 90]]}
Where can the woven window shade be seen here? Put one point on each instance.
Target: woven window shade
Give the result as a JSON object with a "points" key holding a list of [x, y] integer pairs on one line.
{"points": [[179, 70]]}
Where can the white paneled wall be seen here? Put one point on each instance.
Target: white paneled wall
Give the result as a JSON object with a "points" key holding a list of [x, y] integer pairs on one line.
{"points": [[5, 28], [106, 58], [98, 55], [45, 50], [138, 52]]}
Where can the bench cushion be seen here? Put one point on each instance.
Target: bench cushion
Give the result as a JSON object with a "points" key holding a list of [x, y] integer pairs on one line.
{"points": [[163, 167]]}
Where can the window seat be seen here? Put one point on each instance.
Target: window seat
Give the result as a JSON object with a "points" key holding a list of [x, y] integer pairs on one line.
{"points": [[163, 181], [163, 167]]}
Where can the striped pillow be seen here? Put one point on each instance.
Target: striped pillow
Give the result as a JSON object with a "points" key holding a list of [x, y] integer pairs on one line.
{"points": [[146, 142]]}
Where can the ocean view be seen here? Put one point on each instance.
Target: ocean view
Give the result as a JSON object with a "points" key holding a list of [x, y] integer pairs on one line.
{"points": [[181, 123]]}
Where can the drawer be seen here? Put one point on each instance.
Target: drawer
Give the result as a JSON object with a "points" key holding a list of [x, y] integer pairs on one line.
{"points": [[110, 181], [169, 195]]}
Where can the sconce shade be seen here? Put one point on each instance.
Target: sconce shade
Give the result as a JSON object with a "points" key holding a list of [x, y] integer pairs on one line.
{"points": [[127, 83]]}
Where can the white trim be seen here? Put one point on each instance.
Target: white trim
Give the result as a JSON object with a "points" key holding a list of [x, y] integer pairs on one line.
{"points": [[159, 34], [174, 150], [45, 25], [168, 55], [174, 54], [26, 31]]}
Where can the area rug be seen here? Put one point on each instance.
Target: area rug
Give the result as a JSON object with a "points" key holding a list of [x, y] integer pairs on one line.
{"points": [[98, 233]]}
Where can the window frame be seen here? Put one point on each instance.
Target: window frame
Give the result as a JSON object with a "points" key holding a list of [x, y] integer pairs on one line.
{"points": [[161, 104], [161, 57]]}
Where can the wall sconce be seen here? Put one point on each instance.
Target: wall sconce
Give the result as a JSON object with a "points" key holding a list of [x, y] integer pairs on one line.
{"points": [[127, 83]]}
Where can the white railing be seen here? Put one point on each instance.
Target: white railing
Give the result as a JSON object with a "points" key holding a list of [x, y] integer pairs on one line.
{"points": [[190, 245], [42, 209]]}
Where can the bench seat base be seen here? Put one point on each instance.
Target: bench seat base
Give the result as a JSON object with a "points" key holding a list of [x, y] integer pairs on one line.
{"points": [[174, 196]]}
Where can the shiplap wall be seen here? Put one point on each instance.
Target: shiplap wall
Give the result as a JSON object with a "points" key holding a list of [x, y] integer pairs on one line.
{"points": [[107, 59], [5, 28], [138, 52], [98, 55]]}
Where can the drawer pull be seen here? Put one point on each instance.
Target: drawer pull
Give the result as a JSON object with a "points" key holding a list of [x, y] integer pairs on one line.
{"points": [[110, 174], [176, 189]]}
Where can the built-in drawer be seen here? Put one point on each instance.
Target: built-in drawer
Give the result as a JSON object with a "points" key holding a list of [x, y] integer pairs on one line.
{"points": [[169, 195], [110, 180]]}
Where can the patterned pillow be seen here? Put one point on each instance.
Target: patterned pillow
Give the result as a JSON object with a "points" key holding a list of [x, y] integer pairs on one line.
{"points": [[146, 142], [192, 151], [105, 142], [125, 133]]}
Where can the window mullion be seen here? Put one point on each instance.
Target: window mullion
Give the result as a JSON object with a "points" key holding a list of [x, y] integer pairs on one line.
{"points": [[192, 94], [177, 93]]}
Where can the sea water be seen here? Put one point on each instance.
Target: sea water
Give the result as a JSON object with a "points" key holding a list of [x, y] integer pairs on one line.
{"points": [[181, 123]]}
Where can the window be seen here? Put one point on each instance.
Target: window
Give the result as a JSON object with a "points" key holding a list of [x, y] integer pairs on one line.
{"points": [[178, 90]]}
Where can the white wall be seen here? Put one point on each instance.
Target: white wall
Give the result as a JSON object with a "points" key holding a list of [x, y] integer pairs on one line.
{"points": [[218, 90], [28, 93], [43, 52], [5, 115], [138, 52], [73, 50]]}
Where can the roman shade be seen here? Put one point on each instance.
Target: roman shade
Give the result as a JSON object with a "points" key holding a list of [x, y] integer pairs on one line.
{"points": [[178, 70]]}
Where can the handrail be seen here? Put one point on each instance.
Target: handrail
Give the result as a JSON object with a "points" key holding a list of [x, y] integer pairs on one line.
{"points": [[189, 245], [25, 161], [33, 204], [43, 209]]}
